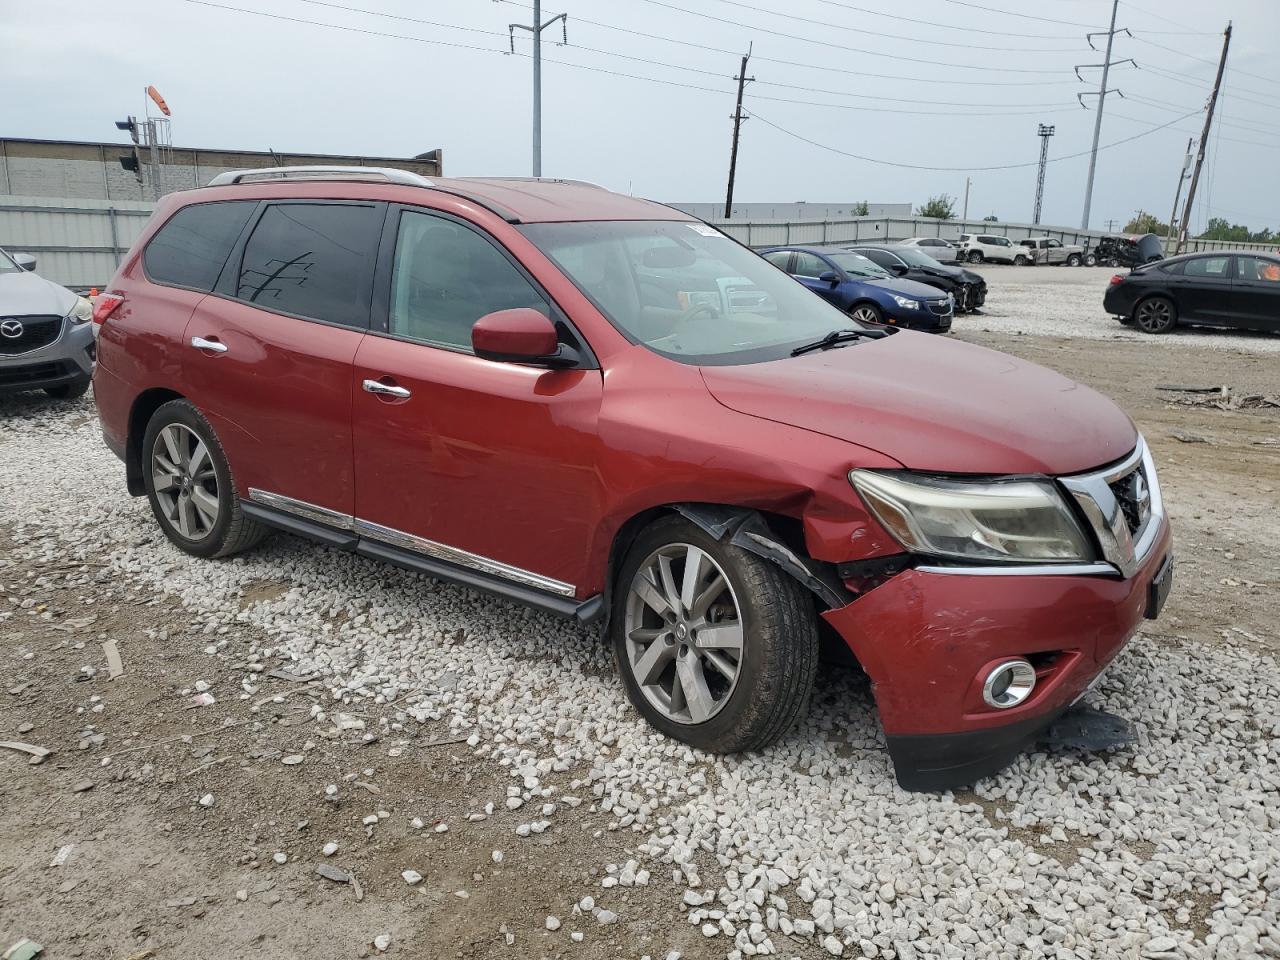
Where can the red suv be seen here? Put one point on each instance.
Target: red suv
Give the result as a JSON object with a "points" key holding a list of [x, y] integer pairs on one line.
{"points": [[606, 409]]}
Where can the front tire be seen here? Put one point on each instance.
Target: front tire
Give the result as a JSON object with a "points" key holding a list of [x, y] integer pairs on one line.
{"points": [[975, 256], [1074, 260], [190, 487], [1020, 260], [1155, 315], [717, 647], [866, 313]]}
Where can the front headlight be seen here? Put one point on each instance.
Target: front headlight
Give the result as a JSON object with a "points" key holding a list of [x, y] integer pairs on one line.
{"points": [[906, 303], [82, 312], [1003, 521]]}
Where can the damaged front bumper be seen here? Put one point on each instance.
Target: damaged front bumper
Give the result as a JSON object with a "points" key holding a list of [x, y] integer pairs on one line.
{"points": [[928, 637]]}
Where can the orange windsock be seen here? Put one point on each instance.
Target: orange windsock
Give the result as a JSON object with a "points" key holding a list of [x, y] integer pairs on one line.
{"points": [[154, 94]]}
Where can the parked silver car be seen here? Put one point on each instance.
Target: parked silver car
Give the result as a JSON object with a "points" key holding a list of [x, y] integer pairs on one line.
{"points": [[46, 337], [944, 251]]}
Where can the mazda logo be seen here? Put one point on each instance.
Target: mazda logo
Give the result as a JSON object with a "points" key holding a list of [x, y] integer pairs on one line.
{"points": [[11, 329]]}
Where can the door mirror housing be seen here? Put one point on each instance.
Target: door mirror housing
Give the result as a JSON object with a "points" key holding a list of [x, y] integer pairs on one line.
{"points": [[26, 261], [521, 335], [829, 276], [898, 268]]}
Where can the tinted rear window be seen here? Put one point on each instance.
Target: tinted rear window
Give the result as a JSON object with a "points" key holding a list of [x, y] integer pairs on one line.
{"points": [[190, 250], [313, 260]]}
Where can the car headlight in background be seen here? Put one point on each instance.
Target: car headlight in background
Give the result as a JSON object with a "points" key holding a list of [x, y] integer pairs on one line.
{"points": [[906, 303], [1014, 521], [82, 312]]}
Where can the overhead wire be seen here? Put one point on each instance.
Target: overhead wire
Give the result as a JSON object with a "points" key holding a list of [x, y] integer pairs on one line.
{"points": [[841, 47], [894, 36], [945, 26], [979, 169], [950, 81]]}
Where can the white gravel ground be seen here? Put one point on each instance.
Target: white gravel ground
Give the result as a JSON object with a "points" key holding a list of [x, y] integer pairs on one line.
{"points": [[1170, 850], [1067, 302]]}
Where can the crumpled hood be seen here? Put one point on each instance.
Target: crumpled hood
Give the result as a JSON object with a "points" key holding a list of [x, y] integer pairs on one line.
{"points": [[934, 404], [908, 288], [27, 294]]}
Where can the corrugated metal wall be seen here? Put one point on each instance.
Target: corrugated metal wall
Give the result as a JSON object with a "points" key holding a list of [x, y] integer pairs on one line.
{"points": [[77, 243]]}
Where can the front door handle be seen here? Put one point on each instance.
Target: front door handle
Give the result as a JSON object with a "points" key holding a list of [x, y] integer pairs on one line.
{"points": [[387, 390], [200, 343]]}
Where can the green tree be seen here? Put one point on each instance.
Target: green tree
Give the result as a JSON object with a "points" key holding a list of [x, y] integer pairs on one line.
{"points": [[861, 209], [1219, 229], [1147, 223], [941, 207]]}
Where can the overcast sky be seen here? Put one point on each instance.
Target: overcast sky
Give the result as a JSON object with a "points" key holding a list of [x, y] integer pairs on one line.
{"points": [[956, 85]]}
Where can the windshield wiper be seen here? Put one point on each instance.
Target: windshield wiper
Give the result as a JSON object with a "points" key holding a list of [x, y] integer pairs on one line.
{"points": [[837, 337]]}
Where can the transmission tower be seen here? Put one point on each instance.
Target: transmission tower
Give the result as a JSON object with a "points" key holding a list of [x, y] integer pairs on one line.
{"points": [[1045, 132], [1106, 65]]}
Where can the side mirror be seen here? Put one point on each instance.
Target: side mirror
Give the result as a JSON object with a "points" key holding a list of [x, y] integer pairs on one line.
{"points": [[522, 335], [829, 276], [26, 261], [899, 268]]}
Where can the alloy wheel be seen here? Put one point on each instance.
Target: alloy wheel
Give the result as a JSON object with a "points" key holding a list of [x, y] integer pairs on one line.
{"points": [[185, 482], [865, 314], [684, 633], [1155, 315]]}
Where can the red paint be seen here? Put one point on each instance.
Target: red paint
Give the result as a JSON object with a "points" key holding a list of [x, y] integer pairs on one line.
{"points": [[540, 468], [514, 333]]}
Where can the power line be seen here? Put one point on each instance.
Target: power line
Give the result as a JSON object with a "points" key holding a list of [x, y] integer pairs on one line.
{"points": [[842, 47], [913, 166], [1187, 30], [1251, 143], [950, 81], [1213, 63], [891, 36], [944, 26], [1024, 16]]}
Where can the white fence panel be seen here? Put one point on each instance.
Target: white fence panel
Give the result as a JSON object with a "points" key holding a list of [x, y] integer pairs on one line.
{"points": [[77, 243]]}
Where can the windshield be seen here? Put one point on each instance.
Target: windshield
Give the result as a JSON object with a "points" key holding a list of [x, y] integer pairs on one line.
{"points": [[687, 291], [915, 257], [856, 265]]}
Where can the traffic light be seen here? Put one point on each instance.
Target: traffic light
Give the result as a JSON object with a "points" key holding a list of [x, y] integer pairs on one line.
{"points": [[131, 161], [130, 124]]}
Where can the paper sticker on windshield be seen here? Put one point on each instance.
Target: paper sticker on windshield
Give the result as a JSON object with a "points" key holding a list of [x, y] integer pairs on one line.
{"points": [[705, 230]]}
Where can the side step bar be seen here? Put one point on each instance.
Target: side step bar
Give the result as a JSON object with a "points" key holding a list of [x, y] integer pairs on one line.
{"points": [[586, 611]]}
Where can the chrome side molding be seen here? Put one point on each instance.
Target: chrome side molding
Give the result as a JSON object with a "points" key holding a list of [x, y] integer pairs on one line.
{"points": [[408, 541]]}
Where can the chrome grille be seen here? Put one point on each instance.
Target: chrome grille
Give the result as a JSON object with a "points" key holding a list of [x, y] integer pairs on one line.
{"points": [[1123, 506], [24, 334], [1133, 494], [941, 307]]}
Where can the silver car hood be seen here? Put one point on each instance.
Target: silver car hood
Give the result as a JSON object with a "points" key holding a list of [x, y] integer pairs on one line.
{"points": [[27, 294]]}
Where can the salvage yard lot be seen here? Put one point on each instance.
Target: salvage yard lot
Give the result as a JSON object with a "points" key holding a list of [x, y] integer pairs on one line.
{"points": [[344, 690]]}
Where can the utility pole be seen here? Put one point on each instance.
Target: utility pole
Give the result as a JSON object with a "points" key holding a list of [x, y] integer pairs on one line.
{"points": [[965, 214], [743, 80], [1177, 195], [1102, 99], [536, 29], [1204, 142], [1044, 133]]}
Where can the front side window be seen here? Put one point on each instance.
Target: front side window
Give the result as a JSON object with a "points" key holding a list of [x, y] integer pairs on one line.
{"points": [[779, 258], [313, 260], [1215, 267], [686, 291], [809, 265], [446, 277], [1255, 268], [192, 247], [856, 265]]}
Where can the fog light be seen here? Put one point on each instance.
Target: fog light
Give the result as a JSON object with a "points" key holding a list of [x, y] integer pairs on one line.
{"points": [[1009, 684]]}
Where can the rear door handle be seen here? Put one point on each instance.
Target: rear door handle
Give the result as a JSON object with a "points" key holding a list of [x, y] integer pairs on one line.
{"points": [[200, 343], [375, 386]]}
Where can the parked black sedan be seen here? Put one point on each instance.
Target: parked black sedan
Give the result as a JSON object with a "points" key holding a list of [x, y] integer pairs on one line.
{"points": [[968, 288], [1231, 289]]}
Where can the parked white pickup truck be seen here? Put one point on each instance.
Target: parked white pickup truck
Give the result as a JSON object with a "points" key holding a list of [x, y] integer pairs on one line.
{"points": [[1053, 251]]}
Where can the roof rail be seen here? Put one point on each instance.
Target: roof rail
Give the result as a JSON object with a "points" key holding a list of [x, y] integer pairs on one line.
{"points": [[581, 183], [390, 174]]}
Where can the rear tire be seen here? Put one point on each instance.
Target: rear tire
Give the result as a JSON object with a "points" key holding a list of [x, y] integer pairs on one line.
{"points": [[738, 704], [1155, 315], [69, 391], [190, 486]]}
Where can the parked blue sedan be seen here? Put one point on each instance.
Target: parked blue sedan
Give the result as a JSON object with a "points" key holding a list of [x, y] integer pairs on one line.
{"points": [[864, 290]]}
